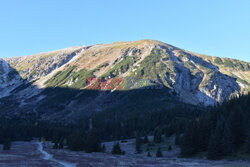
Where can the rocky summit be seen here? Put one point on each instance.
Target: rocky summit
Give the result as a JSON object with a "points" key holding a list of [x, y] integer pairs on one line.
{"points": [[143, 74]]}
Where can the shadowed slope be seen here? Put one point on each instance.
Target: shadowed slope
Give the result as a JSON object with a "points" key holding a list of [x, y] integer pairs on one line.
{"points": [[153, 74]]}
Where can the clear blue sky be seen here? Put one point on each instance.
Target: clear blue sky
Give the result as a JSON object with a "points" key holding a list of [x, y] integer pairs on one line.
{"points": [[213, 27]]}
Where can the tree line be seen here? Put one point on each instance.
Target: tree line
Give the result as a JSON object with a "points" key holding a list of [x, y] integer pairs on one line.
{"points": [[222, 131], [104, 126]]}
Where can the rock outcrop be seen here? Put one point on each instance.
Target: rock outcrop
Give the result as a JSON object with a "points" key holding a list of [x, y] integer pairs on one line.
{"points": [[190, 77]]}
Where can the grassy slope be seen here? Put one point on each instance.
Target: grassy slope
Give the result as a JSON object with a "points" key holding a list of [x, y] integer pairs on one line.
{"points": [[100, 60], [235, 68], [151, 68]]}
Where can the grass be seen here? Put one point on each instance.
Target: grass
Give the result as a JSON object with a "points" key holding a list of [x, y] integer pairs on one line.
{"points": [[193, 69], [32, 73], [231, 64], [103, 65], [80, 78], [150, 69], [59, 78], [239, 79], [151, 66], [207, 77], [218, 61], [153, 69], [121, 67]]}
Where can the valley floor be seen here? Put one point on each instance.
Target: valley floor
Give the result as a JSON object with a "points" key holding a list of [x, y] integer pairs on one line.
{"points": [[34, 153]]}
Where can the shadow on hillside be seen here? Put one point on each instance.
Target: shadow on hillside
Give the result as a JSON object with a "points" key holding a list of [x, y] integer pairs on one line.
{"points": [[71, 104]]}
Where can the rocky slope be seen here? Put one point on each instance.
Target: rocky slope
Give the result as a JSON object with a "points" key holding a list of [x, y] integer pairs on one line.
{"points": [[58, 80]]}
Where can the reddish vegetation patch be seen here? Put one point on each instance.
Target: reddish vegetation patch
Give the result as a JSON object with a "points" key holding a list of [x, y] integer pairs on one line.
{"points": [[110, 84]]}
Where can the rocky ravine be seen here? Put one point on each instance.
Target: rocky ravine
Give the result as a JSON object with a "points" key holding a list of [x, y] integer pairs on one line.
{"points": [[189, 77]]}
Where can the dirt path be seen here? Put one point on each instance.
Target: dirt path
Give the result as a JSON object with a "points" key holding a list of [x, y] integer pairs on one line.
{"points": [[47, 156]]}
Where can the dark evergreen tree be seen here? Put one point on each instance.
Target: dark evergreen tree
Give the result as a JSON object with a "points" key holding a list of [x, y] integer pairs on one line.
{"points": [[207, 123], [157, 135], [215, 149], [177, 138], [158, 152], [228, 139], [169, 148], [222, 131], [170, 129], [61, 145], [247, 143], [116, 149], [103, 148], [92, 143], [138, 145], [7, 144], [149, 154], [55, 146], [189, 140], [76, 141], [145, 140]]}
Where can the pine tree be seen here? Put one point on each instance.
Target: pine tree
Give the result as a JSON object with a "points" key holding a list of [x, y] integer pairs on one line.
{"points": [[145, 140], [177, 138], [169, 148], [138, 144], [149, 154], [221, 131], [158, 152], [7, 144], [92, 143], [215, 143], [247, 143], [76, 141], [228, 142], [55, 145], [207, 123], [61, 146], [157, 135], [117, 149], [188, 142], [103, 148]]}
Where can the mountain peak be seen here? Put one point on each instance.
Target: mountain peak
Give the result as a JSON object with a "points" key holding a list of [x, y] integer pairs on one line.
{"points": [[134, 65]]}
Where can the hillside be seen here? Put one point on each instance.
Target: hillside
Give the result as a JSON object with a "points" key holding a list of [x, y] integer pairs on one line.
{"points": [[65, 83]]}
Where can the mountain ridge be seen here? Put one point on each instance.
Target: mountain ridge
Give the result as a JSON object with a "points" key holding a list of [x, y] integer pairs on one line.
{"points": [[190, 77]]}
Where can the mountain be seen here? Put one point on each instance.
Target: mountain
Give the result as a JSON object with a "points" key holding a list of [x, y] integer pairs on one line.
{"points": [[144, 74]]}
